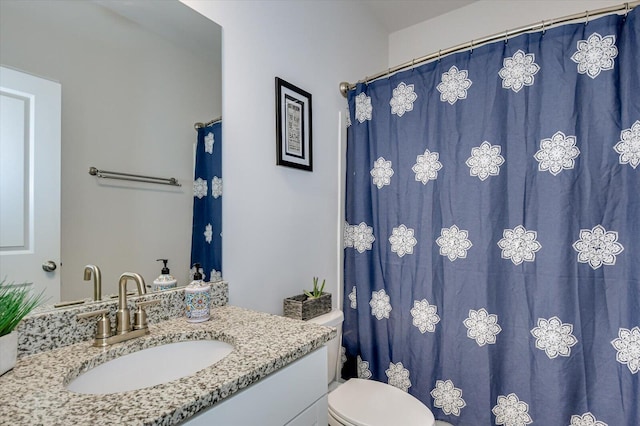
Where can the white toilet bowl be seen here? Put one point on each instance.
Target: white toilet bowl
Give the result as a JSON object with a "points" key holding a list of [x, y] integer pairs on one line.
{"points": [[359, 402]]}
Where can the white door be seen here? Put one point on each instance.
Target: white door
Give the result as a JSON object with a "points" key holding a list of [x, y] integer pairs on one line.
{"points": [[30, 122]]}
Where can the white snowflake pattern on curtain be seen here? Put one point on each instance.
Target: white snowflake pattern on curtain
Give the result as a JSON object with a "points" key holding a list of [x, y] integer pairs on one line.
{"points": [[215, 276], [586, 419], [519, 245], [629, 145], [363, 237], [200, 188], [518, 71], [425, 316], [595, 54], [448, 398], [482, 326], [402, 240], [208, 233], [557, 153], [398, 376], [347, 235], [216, 187], [485, 160], [454, 243], [454, 85], [380, 304], [403, 99], [353, 301], [510, 411], [554, 337], [427, 166], [598, 247], [209, 140], [381, 172], [627, 345], [363, 368], [364, 110]]}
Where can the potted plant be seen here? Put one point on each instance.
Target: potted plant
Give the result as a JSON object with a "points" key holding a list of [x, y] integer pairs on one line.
{"points": [[308, 305], [16, 301]]}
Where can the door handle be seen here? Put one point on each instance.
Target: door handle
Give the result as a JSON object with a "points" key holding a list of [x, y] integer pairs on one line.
{"points": [[49, 266]]}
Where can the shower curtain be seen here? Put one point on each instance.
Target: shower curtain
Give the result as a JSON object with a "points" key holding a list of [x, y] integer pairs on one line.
{"points": [[206, 235], [492, 235]]}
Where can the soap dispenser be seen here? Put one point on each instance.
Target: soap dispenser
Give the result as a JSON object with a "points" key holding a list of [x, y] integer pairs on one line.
{"points": [[197, 298], [165, 281]]}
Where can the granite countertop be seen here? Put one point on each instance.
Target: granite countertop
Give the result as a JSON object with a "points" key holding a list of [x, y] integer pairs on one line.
{"points": [[34, 391]]}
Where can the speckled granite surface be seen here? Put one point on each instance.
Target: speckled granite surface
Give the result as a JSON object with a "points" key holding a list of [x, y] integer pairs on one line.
{"points": [[55, 328], [34, 392]]}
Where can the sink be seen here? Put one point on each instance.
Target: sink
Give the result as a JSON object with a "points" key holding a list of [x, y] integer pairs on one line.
{"points": [[150, 367]]}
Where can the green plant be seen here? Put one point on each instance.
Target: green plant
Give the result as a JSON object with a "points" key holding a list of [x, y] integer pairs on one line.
{"points": [[16, 301], [316, 292]]}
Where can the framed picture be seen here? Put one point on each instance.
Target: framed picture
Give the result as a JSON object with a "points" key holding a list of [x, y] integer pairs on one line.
{"points": [[293, 126]]}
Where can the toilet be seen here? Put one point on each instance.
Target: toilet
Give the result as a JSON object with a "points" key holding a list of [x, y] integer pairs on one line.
{"points": [[359, 402]]}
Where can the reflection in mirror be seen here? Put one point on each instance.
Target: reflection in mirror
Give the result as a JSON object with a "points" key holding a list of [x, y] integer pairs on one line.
{"points": [[135, 78]]}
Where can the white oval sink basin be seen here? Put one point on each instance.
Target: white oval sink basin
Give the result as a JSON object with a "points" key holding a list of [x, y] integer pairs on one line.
{"points": [[150, 367]]}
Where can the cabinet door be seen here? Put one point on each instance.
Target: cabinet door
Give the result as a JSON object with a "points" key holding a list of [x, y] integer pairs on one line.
{"points": [[275, 400], [316, 415]]}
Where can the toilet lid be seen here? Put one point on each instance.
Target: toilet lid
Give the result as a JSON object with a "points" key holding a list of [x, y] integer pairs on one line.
{"points": [[361, 402]]}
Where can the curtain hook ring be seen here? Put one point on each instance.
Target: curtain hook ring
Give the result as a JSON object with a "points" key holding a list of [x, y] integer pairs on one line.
{"points": [[587, 21], [544, 30], [413, 64], [471, 47], [439, 52], [626, 9], [506, 36]]}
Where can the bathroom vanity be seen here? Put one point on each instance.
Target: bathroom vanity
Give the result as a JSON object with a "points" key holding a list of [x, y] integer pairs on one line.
{"points": [[275, 375]]}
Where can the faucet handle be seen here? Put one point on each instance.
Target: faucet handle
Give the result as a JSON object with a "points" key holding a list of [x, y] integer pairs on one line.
{"points": [[103, 329], [140, 315]]}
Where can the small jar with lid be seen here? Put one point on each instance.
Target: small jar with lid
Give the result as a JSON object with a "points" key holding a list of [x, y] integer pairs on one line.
{"points": [[197, 298]]}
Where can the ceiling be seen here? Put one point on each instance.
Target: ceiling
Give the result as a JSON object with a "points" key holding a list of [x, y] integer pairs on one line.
{"points": [[169, 17], [395, 15], [173, 21]]}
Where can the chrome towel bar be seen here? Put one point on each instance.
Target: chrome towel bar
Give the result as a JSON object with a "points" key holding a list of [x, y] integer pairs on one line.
{"points": [[105, 174]]}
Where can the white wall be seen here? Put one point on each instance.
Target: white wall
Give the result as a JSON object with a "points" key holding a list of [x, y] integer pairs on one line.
{"points": [[281, 224], [129, 101], [477, 20]]}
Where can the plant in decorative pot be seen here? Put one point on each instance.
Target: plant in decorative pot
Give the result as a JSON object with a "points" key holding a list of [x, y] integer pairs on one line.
{"points": [[308, 305], [16, 301]]}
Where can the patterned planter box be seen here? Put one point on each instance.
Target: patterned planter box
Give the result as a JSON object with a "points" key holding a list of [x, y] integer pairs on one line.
{"points": [[302, 308]]}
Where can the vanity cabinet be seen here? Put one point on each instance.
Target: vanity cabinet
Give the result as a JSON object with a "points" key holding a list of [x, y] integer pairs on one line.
{"points": [[295, 395]]}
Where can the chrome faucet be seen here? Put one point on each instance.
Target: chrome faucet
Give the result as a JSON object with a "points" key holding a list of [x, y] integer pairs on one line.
{"points": [[93, 270], [123, 318], [124, 331]]}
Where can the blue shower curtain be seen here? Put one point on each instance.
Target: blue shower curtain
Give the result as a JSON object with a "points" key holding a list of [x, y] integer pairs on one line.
{"points": [[492, 235], [206, 236]]}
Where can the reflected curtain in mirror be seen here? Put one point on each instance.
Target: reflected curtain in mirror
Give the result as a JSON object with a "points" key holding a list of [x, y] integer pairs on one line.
{"points": [[206, 236]]}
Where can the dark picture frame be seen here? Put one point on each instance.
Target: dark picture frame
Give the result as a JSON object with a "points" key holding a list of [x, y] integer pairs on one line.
{"points": [[293, 126]]}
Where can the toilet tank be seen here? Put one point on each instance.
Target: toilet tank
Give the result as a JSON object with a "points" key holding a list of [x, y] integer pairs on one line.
{"points": [[332, 319]]}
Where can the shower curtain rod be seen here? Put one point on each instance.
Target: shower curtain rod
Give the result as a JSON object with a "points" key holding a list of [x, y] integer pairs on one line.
{"points": [[540, 26], [199, 125]]}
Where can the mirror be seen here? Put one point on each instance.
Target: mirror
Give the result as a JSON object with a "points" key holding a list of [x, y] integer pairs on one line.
{"points": [[135, 77]]}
